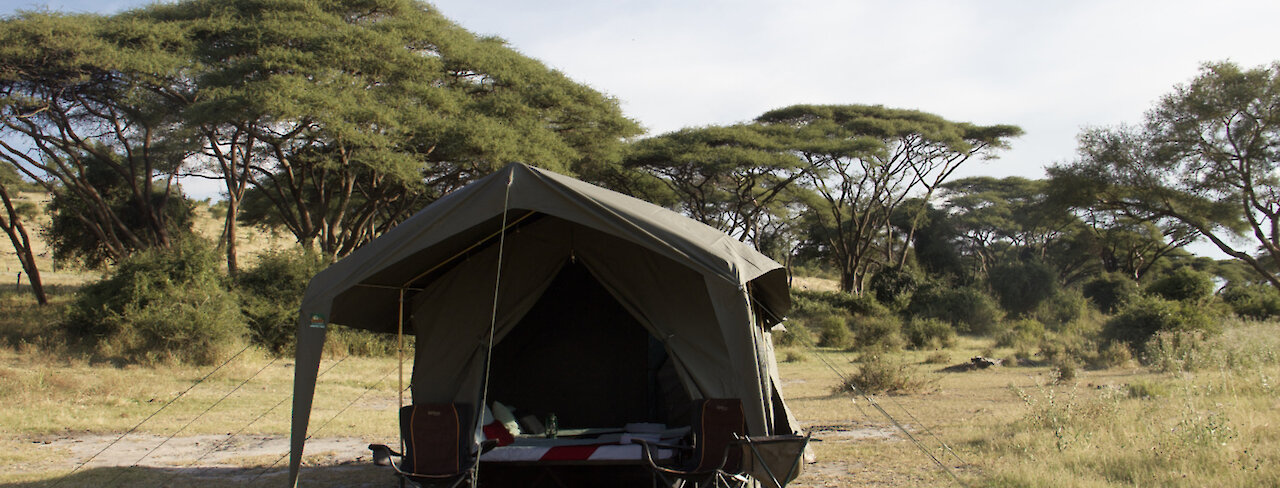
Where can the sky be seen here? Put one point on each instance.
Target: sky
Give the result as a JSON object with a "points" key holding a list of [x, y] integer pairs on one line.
{"points": [[1050, 67]]}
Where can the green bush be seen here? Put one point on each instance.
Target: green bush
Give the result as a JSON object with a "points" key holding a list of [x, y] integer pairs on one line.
{"points": [[1023, 286], [1022, 333], [794, 356], [1144, 316], [1184, 285], [1064, 307], [968, 309], [876, 332], [880, 374], [793, 335], [894, 286], [271, 292], [834, 332], [1067, 348], [1065, 371], [1113, 355], [811, 306], [1109, 291], [1177, 350], [1258, 302], [928, 334], [161, 305]]}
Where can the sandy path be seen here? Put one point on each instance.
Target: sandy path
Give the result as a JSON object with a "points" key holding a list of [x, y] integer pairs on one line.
{"points": [[203, 451]]}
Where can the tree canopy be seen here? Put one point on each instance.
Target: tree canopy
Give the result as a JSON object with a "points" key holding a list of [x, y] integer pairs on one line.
{"points": [[864, 161], [1205, 158], [343, 117]]}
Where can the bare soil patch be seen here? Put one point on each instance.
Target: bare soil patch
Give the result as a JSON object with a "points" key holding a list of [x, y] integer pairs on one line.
{"points": [[197, 452]]}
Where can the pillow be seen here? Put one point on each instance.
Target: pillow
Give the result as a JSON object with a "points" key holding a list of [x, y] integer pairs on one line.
{"points": [[493, 429], [530, 424], [503, 414]]}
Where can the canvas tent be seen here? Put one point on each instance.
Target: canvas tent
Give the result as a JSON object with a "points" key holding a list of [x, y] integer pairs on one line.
{"points": [[608, 308]]}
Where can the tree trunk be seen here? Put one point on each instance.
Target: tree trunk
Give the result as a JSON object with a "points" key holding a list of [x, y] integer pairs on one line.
{"points": [[233, 206], [22, 244]]}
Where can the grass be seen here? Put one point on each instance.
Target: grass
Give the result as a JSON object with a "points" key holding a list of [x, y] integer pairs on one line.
{"points": [[1202, 415], [1207, 421]]}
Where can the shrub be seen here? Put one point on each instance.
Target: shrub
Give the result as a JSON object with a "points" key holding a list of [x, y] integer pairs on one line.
{"points": [[1113, 355], [1183, 284], [876, 332], [1143, 316], [1073, 348], [968, 309], [879, 374], [810, 306], [834, 332], [1065, 371], [161, 305], [1176, 350], [271, 292], [1021, 333], [1258, 302], [1022, 286], [893, 286], [1110, 291], [928, 334], [1064, 307], [795, 357], [793, 334]]}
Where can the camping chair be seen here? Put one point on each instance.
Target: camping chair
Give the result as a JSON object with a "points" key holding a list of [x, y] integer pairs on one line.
{"points": [[716, 424], [773, 460], [438, 443]]}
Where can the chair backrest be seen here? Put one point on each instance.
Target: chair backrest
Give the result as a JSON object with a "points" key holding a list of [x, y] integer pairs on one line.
{"points": [[437, 438], [718, 419]]}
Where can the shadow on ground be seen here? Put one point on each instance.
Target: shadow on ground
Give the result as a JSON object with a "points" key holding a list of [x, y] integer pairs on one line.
{"points": [[352, 475]]}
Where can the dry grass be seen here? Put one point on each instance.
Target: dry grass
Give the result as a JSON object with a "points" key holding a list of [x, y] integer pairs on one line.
{"points": [[1214, 425], [813, 283], [1010, 426]]}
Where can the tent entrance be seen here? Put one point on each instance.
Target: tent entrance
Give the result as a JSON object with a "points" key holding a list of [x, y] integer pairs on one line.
{"points": [[579, 354]]}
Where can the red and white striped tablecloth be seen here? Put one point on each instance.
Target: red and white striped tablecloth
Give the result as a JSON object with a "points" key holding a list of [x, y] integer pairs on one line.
{"points": [[582, 452]]}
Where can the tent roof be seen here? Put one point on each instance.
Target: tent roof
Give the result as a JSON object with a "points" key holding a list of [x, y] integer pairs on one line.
{"points": [[362, 290]]}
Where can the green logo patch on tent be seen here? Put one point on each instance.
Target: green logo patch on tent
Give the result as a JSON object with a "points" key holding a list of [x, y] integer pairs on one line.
{"points": [[317, 320]]}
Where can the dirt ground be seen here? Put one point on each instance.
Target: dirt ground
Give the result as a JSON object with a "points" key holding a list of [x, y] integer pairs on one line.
{"points": [[261, 460]]}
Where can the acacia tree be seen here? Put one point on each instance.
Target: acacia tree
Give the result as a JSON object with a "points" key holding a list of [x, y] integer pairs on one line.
{"points": [[732, 178], [1000, 219], [864, 161], [345, 117], [1206, 157], [85, 96]]}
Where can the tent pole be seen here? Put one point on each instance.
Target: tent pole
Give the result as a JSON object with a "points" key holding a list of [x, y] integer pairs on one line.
{"points": [[493, 317], [400, 360], [766, 390]]}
